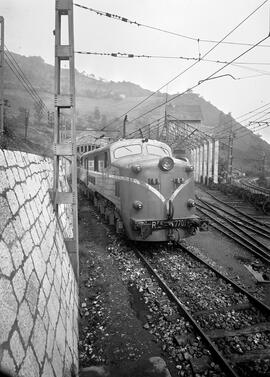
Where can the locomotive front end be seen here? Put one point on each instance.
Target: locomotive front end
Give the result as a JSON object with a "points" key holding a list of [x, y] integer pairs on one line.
{"points": [[157, 195]]}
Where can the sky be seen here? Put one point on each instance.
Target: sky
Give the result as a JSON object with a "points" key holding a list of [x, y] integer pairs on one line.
{"points": [[29, 26]]}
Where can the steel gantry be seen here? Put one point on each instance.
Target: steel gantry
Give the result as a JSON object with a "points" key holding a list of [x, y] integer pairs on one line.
{"points": [[65, 52], [185, 137]]}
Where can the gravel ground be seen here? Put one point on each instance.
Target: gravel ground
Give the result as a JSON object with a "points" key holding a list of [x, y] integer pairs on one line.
{"points": [[125, 317]]}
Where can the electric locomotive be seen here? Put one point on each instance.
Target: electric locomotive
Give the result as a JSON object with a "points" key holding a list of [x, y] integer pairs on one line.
{"points": [[142, 189]]}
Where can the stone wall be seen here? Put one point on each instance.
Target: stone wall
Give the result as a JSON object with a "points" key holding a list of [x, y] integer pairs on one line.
{"points": [[38, 290]]}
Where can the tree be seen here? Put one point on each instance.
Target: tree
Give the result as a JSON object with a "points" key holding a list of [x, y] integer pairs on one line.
{"points": [[38, 111]]}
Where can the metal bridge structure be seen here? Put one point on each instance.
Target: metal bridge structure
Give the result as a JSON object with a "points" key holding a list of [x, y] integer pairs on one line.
{"points": [[186, 138]]}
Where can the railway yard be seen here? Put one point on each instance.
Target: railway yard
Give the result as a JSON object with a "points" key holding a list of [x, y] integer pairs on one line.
{"points": [[198, 308]]}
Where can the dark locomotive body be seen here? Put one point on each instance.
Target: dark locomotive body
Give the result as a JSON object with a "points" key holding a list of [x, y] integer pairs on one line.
{"points": [[140, 187]]}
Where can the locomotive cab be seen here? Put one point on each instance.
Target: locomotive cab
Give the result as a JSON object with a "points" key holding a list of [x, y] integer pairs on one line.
{"points": [[139, 184], [157, 196]]}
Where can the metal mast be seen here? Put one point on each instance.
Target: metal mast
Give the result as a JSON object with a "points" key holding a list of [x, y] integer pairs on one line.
{"points": [[65, 52], [2, 44]]}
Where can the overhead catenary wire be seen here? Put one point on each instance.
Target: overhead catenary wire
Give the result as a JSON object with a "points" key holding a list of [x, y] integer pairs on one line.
{"points": [[132, 55], [185, 70], [16, 69], [201, 81], [194, 39]]}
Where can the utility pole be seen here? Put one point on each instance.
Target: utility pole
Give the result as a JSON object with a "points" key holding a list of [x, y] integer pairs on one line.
{"points": [[65, 52], [124, 126], [263, 165], [230, 158], [2, 51], [26, 122], [230, 153]]}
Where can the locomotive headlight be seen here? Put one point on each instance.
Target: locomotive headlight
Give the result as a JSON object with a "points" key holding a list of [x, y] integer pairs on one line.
{"points": [[137, 205], [189, 168], [136, 168], [191, 203], [166, 163]]}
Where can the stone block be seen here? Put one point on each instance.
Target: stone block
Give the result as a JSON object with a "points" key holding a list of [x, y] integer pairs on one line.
{"points": [[5, 213], [53, 307], [18, 226], [24, 219], [47, 370], [8, 310], [38, 339], [46, 286], [19, 284], [27, 243], [61, 337], [29, 213], [9, 235], [16, 174], [50, 340], [28, 267], [20, 194], [17, 254], [50, 272], [30, 366], [10, 158], [35, 236], [6, 265], [12, 201], [25, 322], [32, 292], [57, 362], [7, 363], [4, 183], [16, 348], [10, 178], [41, 302], [45, 249], [21, 174], [40, 265], [3, 161]]}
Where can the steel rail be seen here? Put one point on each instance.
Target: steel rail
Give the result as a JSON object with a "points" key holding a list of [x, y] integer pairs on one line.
{"points": [[249, 226], [239, 239], [260, 245], [217, 355], [237, 210], [258, 303]]}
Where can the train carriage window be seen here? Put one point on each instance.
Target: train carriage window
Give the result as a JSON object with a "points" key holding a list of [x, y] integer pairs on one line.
{"points": [[96, 163], [127, 150], [82, 148], [157, 150]]}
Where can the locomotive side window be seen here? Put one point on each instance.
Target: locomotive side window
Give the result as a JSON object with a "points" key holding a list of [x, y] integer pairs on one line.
{"points": [[157, 150], [127, 151]]}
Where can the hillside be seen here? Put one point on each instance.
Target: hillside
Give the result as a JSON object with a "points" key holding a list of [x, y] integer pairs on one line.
{"points": [[99, 102]]}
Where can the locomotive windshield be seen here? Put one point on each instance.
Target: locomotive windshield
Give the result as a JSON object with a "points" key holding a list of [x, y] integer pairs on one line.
{"points": [[157, 150], [127, 150]]}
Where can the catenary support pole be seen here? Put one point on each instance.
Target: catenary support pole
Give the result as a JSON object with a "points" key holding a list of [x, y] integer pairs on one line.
{"points": [[65, 52]]}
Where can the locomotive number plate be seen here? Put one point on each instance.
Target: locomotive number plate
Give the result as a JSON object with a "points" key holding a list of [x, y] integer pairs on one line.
{"points": [[169, 224]]}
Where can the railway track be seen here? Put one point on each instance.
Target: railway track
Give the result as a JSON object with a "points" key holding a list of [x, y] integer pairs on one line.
{"points": [[233, 324], [250, 233]]}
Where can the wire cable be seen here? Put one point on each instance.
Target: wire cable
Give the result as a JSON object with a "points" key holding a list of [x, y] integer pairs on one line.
{"points": [[126, 20], [201, 81], [190, 67]]}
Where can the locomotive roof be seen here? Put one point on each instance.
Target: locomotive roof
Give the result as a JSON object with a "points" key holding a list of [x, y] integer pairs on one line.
{"points": [[123, 142]]}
